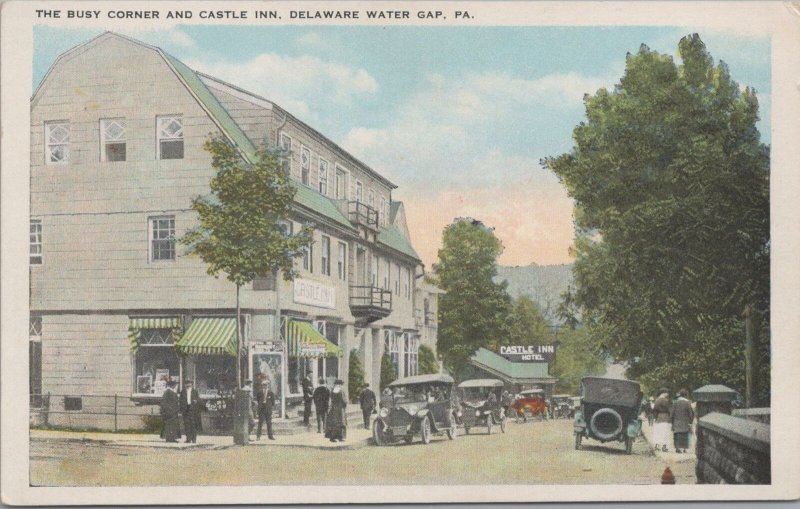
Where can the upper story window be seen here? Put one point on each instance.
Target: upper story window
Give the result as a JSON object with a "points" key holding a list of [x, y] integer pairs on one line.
{"points": [[162, 238], [382, 212], [57, 139], [36, 242], [426, 309], [323, 176], [308, 258], [407, 289], [374, 270], [285, 144], [387, 268], [371, 198], [341, 263], [112, 139], [359, 192], [305, 165], [326, 256], [170, 137], [397, 280], [341, 184]]}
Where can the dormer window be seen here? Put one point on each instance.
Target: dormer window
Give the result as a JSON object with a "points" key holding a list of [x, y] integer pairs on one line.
{"points": [[112, 140], [170, 137], [305, 165], [57, 137], [323, 176]]}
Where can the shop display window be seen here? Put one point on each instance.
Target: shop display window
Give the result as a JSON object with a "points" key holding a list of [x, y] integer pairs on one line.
{"points": [[214, 374], [157, 362]]}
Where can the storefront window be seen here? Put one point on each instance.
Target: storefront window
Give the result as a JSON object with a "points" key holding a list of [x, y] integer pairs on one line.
{"points": [[298, 367], [157, 361], [214, 374], [392, 346], [411, 353]]}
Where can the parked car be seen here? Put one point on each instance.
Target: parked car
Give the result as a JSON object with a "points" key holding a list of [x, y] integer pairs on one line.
{"points": [[421, 405], [478, 408], [530, 402], [609, 411], [561, 406]]}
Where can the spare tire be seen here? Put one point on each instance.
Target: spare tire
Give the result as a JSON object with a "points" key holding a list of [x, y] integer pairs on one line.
{"points": [[606, 424]]}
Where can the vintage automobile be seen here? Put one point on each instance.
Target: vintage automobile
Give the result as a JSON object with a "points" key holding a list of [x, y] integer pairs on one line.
{"points": [[561, 406], [609, 411], [478, 408], [421, 405], [531, 401]]}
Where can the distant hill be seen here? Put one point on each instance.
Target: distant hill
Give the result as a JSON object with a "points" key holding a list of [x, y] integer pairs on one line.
{"points": [[542, 283]]}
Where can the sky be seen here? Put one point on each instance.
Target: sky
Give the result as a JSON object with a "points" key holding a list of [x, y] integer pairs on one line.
{"points": [[457, 117]]}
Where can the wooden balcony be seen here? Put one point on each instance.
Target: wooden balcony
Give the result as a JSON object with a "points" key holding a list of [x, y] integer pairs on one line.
{"points": [[362, 214], [370, 303]]}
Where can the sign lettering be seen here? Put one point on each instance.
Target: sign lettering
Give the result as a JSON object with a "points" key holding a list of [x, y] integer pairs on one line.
{"points": [[314, 294], [528, 353]]}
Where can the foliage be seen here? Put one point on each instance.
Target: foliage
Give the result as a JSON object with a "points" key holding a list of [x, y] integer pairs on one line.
{"points": [[388, 371], [577, 355], [526, 325], [474, 310], [671, 186], [355, 376], [427, 361]]}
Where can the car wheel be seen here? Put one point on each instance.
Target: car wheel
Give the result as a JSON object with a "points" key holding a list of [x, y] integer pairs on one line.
{"points": [[379, 433], [628, 444], [503, 425], [466, 430], [425, 430], [578, 438], [452, 432]]}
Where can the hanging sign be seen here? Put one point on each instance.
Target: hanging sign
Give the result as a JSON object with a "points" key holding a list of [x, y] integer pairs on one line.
{"points": [[314, 294], [528, 353]]}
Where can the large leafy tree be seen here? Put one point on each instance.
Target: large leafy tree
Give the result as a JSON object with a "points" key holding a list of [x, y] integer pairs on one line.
{"points": [[427, 361], [241, 228], [474, 310], [526, 324], [355, 376], [671, 185]]}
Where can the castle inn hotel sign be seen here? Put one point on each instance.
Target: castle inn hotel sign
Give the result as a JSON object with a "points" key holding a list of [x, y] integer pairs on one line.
{"points": [[117, 309]]}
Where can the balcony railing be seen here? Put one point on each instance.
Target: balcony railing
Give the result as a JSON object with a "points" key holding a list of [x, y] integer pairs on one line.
{"points": [[363, 214], [370, 303]]}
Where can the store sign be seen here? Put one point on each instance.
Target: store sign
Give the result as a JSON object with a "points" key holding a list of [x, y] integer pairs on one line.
{"points": [[312, 350], [529, 353], [264, 346], [314, 294]]}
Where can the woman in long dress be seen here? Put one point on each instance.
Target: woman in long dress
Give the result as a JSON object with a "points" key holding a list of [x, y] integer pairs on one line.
{"points": [[662, 429], [336, 422], [170, 408]]}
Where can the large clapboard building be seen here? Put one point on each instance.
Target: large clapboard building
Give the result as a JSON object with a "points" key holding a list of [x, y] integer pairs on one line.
{"points": [[117, 309]]}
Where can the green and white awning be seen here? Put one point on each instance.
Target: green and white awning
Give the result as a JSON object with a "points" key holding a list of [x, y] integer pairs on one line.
{"points": [[304, 340], [209, 336], [137, 325]]}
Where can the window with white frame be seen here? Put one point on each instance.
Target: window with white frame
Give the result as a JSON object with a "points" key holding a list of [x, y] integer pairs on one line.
{"points": [[341, 264], [156, 361], [285, 144], [371, 198], [411, 351], [383, 220], [387, 269], [407, 289], [387, 213], [113, 139], [375, 270], [57, 142], [326, 256], [323, 176], [36, 242], [305, 165], [397, 279], [341, 184], [169, 130], [392, 347], [308, 258], [359, 192], [162, 238], [35, 360]]}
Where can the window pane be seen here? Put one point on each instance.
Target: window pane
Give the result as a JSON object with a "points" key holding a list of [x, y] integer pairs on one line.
{"points": [[172, 149], [154, 364], [163, 238], [115, 151]]}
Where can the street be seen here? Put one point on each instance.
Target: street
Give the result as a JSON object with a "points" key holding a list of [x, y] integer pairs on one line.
{"points": [[531, 453]]}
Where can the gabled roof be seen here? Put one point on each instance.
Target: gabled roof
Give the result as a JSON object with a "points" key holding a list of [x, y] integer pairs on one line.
{"points": [[393, 238], [319, 203], [513, 370]]}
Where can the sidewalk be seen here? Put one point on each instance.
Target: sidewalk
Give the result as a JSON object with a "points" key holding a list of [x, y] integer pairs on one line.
{"points": [[671, 456], [357, 437]]}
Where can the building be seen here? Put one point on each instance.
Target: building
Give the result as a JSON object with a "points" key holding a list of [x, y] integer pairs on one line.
{"points": [[516, 376], [117, 134]]}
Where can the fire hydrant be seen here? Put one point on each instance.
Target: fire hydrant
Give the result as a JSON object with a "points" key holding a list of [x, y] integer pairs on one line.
{"points": [[667, 477]]}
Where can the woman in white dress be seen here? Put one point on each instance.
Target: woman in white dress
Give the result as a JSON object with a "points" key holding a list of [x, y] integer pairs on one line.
{"points": [[662, 429]]}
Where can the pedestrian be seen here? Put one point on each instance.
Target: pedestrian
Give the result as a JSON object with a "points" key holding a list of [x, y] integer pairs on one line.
{"points": [[505, 402], [682, 419], [170, 408], [242, 413], [322, 399], [650, 411], [387, 400], [308, 398], [367, 401], [265, 404], [336, 422], [190, 409], [662, 430]]}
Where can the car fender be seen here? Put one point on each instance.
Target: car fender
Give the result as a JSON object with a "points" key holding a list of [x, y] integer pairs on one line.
{"points": [[634, 427]]}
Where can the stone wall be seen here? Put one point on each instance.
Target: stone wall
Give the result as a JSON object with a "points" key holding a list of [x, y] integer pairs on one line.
{"points": [[753, 414], [732, 450]]}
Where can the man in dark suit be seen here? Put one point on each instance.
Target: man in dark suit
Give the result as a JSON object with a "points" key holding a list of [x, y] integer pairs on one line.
{"points": [[265, 401], [170, 407], [322, 397], [308, 398], [190, 409], [368, 402]]}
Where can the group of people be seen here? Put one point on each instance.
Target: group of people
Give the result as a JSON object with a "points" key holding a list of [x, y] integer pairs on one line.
{"points": [[671, 420], [186, 404], [330, 406]]}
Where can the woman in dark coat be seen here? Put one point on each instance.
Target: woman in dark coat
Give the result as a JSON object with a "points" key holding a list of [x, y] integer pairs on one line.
{"points": [[682, 419], [170, 408], [336, 422]]}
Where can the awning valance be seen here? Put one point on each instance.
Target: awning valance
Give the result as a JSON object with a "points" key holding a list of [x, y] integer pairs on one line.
{"points": [[209, 336], [305, 341], [136, 325]]}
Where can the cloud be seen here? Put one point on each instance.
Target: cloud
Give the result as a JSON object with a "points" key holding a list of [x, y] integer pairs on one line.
{"points": [[312, 39]]}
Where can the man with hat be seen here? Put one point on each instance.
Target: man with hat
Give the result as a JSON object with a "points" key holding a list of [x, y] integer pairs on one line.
{"points": [[336, 423], [322, 397], [308, 398], [170, 408], [368, 402], [265, 403], [190, 409]]}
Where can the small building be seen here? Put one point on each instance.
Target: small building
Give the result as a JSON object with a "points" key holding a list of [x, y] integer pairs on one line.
{"points": [[517, 376]]}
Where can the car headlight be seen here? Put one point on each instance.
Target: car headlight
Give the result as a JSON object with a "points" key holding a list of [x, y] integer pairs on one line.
{"points": [[412, 410], [384, 412], [477, 413]]}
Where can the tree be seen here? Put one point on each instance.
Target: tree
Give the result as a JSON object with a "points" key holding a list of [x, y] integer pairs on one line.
{"points": [[355, 376], [474, 310], [427, 361], [671, 190], [388, 371], [577, 355], [527, 325], [240, 229]]}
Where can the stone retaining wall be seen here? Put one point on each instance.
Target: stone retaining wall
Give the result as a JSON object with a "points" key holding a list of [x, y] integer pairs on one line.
{"points": [[753, 414], [732, 450]]}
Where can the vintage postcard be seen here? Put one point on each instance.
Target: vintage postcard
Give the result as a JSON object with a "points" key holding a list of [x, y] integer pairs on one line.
{"points": [[315, 252]]}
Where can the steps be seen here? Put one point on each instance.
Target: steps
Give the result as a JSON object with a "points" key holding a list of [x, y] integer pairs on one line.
{"points": [[294, 425]]}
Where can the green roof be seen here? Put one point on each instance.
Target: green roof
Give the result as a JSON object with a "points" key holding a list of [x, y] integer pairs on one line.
{"points": [[218, 112], [392, 237], [319, 203], [499, 364]]}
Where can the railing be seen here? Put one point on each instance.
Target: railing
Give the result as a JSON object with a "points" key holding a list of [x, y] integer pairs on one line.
{"points": [[370, 296], [361, 213]]}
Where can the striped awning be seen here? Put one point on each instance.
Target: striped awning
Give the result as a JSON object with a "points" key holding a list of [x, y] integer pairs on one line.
{"points": [[305, 341], [209, 336], [136, 325]]}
